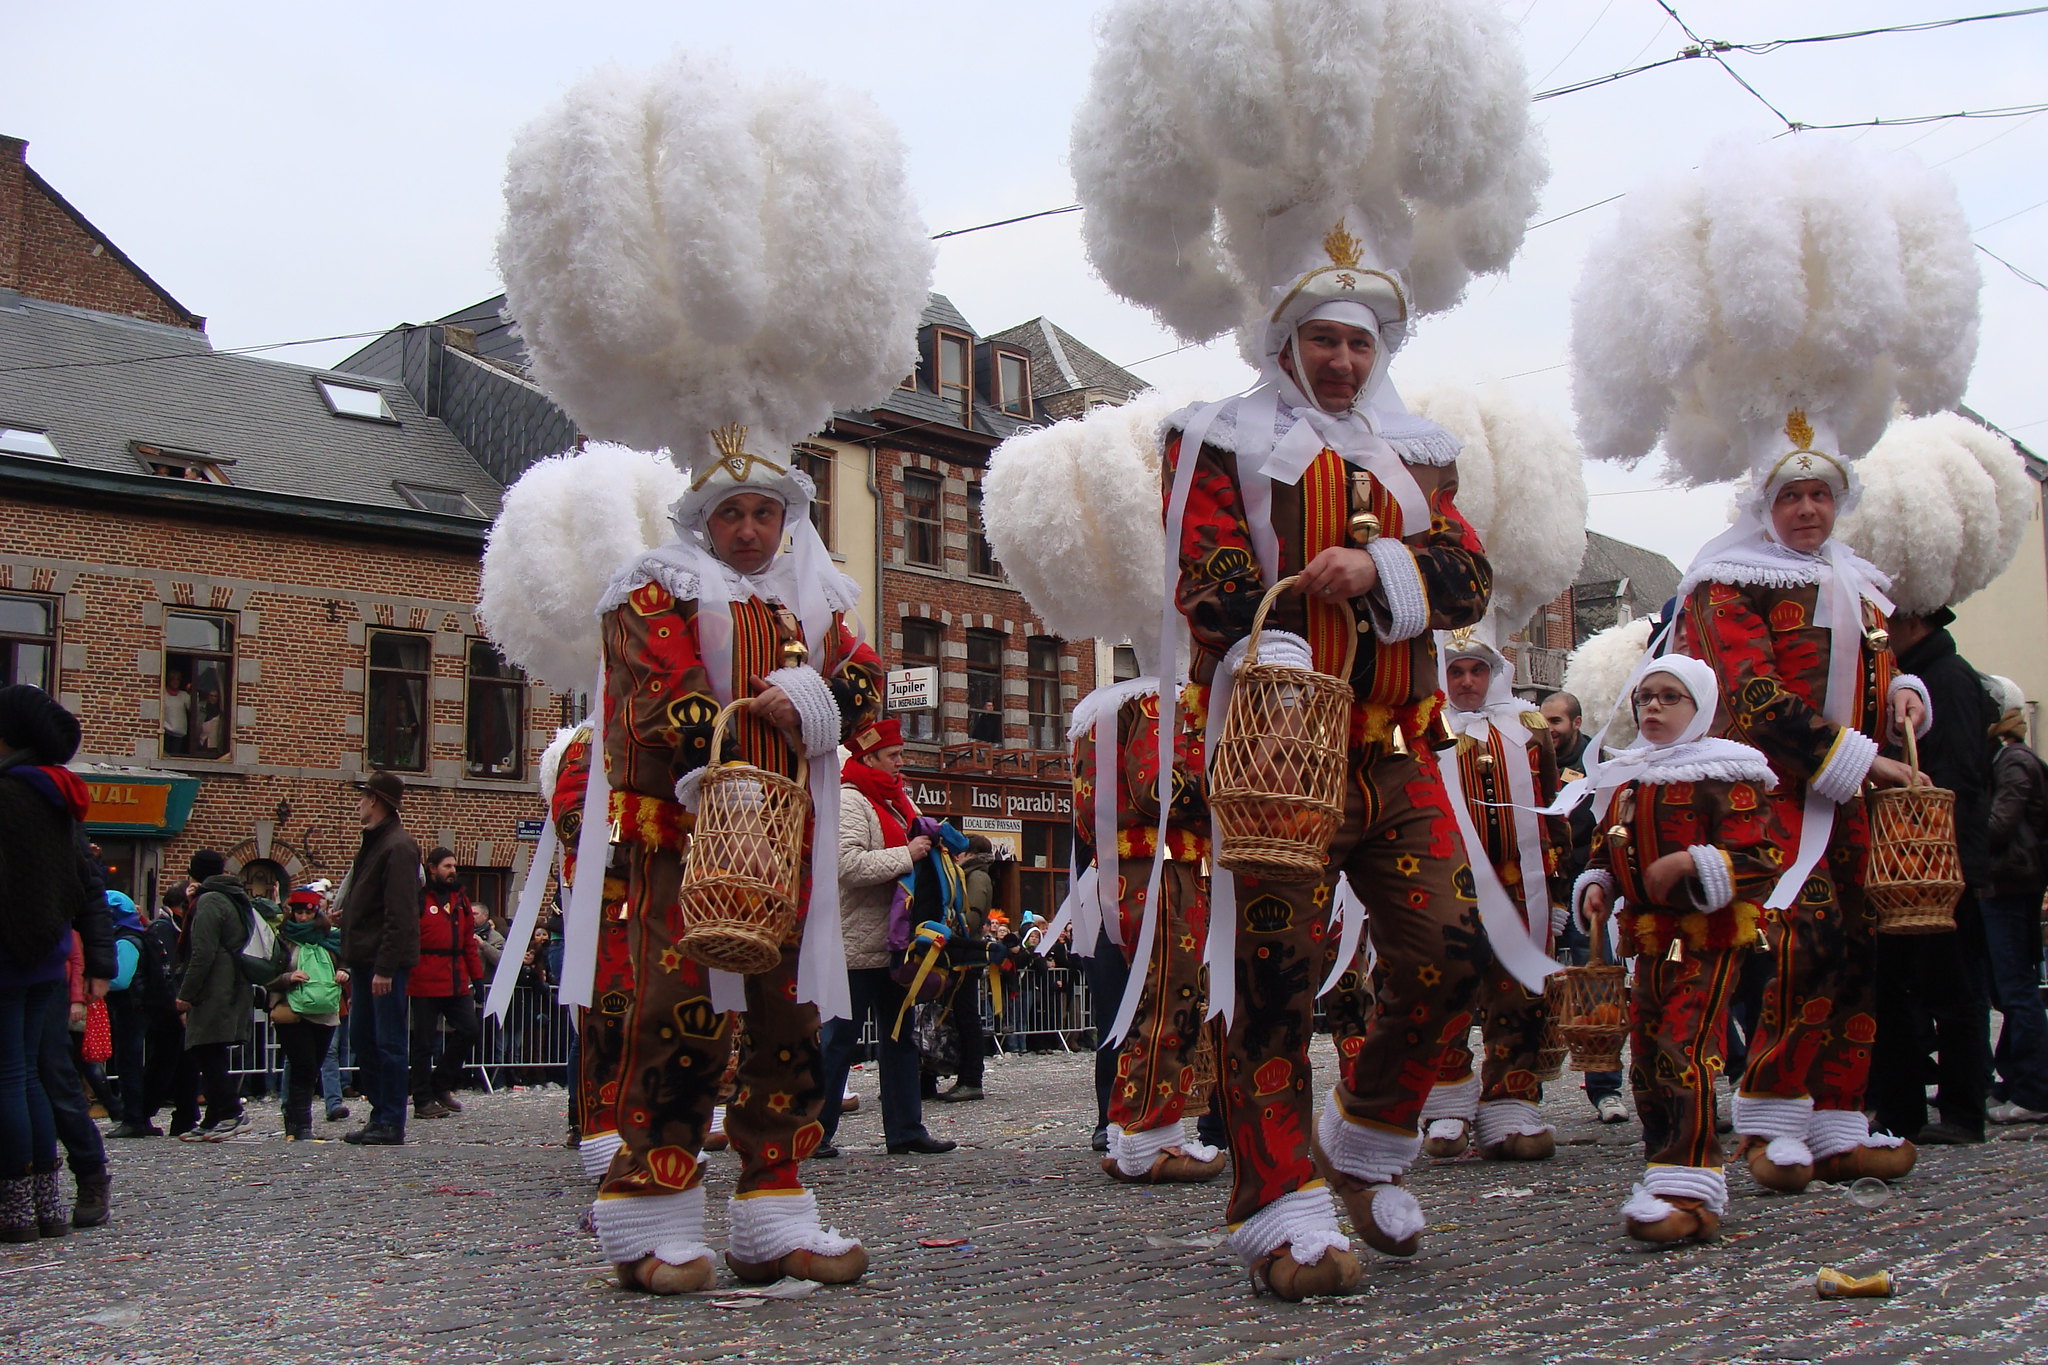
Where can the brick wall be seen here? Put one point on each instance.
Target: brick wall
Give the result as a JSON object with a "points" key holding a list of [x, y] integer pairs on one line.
{"points": [[48, 251], [960, 602], [300, 604]]}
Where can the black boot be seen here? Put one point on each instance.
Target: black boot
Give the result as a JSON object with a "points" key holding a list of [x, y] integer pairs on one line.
{"points": [[94, 1189]]}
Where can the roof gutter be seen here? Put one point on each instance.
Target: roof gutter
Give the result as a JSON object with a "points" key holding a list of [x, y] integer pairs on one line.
{"points": [[74, 485]]}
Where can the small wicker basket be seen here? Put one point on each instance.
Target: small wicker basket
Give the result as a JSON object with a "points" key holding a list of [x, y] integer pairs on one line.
{"points": [[1276, 780], [1551, 1052], [1589, 1007], [744, 868], [1914, 877]]}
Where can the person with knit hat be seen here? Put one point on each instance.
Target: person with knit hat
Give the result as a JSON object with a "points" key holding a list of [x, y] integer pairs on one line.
{"points": [[41, 805], [878, 850]]}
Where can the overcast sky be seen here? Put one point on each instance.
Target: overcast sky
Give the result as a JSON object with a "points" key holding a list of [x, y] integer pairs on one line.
{"points": [[293, 171]]}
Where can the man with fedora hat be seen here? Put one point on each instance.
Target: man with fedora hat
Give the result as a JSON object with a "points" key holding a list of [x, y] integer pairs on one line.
{"points": [[380, 941]]}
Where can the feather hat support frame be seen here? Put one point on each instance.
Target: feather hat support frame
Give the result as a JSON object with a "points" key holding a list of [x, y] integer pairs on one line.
{"points": [[1944, 504]]}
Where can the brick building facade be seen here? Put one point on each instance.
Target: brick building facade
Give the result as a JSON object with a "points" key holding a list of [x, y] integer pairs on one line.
{"points": [[252, 582]]}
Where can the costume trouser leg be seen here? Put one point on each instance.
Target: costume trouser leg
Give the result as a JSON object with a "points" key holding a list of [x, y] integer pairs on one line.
{"points": [[1511, 1026], [1819, 1015], [601, 1044], [1155, 1067], [1678, 1024], [1398, 843], [676, 1045]]}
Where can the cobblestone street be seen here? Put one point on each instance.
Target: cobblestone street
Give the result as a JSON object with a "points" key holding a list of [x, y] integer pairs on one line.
{"points": [[464, 1247]]}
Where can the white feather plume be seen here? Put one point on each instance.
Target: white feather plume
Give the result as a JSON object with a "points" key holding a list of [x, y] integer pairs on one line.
{"points": [[1596, 671], [564, 528], [1944, 504], [1073, 513], [690, 246], [1522, 485], [1220, 139], [1800, 273]]}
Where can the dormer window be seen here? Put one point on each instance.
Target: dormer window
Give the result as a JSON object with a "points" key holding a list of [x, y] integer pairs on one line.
{"points": [[169, 462], [363, 401], [452, 502], [32, 441], [1013, 383], [956, 371]]}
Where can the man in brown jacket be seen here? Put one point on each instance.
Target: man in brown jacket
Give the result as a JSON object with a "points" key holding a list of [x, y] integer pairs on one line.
{"points": [[380, 941]]}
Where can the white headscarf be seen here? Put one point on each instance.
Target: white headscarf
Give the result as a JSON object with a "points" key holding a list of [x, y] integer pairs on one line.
{"points": [[1692, 757]]}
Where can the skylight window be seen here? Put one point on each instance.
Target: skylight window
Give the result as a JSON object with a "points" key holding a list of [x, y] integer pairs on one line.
{"points": [[447, 501], [168, 462], [28, 441], [354, 400]]}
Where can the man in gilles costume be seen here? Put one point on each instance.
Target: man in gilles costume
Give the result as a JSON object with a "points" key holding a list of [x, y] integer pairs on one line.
{"points": [[1506, 770], [1303, 476], [721, 613], [1792, 623]]}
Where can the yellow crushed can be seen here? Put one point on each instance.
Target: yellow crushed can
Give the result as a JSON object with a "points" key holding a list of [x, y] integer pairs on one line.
{"points": [[1833, 1284]]}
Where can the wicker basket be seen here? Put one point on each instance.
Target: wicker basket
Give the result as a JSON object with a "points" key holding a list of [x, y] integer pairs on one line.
{"points": [[1589, 1007], [1276, 780], [1204, 1083], [1551, 1052], [1914, 877], [745, 864]]}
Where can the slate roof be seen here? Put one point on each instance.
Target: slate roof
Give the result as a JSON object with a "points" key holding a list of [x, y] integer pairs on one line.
{"points": [[1652, 578], [97, 381], [1061, 364]]}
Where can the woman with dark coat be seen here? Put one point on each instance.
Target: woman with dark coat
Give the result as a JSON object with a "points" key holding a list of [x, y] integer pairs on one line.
{"points": [[41, 804]]}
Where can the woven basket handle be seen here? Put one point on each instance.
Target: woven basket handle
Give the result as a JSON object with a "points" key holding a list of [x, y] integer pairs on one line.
{"points": [[725, 713], [1913, 759], [1251, 652], [1598, 946]]}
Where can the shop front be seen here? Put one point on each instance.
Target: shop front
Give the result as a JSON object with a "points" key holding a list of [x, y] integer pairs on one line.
{"points": [[1032, 820], [132, 812]]}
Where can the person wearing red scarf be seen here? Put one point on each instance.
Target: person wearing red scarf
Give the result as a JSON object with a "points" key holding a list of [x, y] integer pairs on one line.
{"points": [[876, 849]]}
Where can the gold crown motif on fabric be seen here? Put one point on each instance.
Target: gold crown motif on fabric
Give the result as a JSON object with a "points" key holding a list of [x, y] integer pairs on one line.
{"points": [[734, 457]]}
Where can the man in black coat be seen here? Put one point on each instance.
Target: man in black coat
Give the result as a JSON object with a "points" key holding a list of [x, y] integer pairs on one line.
{"points": [[380, 940], [2011, 906], [1930, 987]]}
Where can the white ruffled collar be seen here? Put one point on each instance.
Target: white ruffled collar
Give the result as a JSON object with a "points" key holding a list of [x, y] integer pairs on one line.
{"points": [[1107, 701], [677, 568], [1699, 760], [1417, 440], [1759, 561]]}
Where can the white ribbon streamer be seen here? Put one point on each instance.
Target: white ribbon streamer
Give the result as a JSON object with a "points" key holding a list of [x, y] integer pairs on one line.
{"points": [[1348, 911], [1523, 960], [593, 851], [532, 892]]}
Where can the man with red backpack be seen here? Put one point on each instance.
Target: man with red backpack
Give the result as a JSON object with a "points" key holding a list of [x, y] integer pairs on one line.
{"points": [[440, 989]]}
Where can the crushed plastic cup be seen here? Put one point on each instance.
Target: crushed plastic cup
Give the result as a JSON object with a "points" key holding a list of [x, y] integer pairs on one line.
{"points": [[1869, 1193]]}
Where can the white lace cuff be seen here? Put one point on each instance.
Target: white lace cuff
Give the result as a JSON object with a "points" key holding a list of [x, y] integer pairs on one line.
{"points": [[670, 1226], [1452, 1100], [1280, 647], [1406, 614], [1708, 1184], [1906, 682], [816, 708], [1135, 1152], [596, 1151], [1592, 876], [1717, 877], [1499, 1120], [766, 1225], [1848, 763], [1304, 1221], [1362, 1151], [690, 787]]}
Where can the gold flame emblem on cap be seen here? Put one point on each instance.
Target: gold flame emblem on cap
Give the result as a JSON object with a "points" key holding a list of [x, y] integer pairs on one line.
{"points": [[1798, 430], [734, 457], [1343, 249]]}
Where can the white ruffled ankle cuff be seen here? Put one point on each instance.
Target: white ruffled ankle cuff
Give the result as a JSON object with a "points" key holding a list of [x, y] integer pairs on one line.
{"points": [[1831, 1132], [1644, 1207], [1446, 1130], [1499, 1120], [1773, 1116], [1303, 1221], [596, 1151], [1786, 1151], [1451, 1100], [769, 1224], [670, 1226], [1373, 1155], [1135, 1152], [1397, 1213], [1708, 1184]]}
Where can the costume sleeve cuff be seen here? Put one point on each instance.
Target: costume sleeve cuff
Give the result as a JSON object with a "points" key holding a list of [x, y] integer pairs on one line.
{"points": [[1717, 877], [1275, 647], [1848, 763], [1592, 876], [1406, 610], [1906, 682], [816, 708]]}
